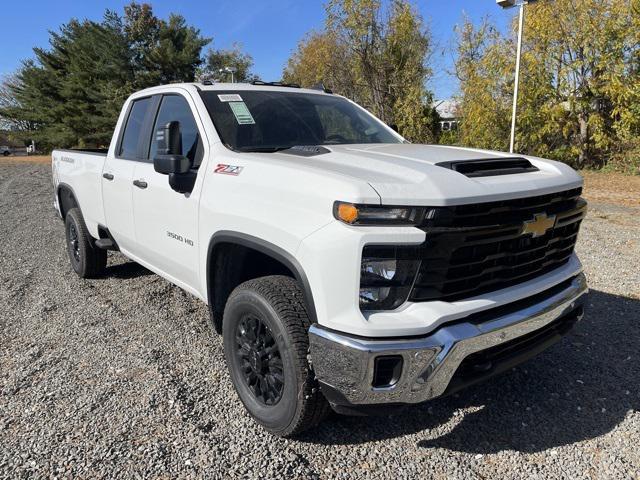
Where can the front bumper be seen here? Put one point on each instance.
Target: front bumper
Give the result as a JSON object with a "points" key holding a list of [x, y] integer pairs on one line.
{"points": [[345, 364]]}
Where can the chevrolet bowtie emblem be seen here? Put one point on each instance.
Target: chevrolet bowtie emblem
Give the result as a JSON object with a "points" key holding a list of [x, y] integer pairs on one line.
{"points": [[539, 225]]}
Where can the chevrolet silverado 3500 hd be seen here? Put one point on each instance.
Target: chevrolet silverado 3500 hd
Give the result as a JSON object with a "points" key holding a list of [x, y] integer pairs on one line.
{"points": [[345, 267]]}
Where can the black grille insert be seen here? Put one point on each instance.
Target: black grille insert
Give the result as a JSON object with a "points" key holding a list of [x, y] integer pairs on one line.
{"points": [[474, 249]]}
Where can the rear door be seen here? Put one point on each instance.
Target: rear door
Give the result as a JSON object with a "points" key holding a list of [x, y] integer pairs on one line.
{"points": [[166, 222], [117, 175]]}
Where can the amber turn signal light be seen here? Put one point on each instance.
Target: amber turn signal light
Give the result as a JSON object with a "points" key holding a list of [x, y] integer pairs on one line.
{"points": [[347, 213]]}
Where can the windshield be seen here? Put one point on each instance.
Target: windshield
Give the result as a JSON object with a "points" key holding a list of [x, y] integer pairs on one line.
{"points": [[259, 120]]}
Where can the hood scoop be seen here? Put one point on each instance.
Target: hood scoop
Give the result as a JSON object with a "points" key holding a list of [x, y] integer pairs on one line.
{"points": [[490, 167]]}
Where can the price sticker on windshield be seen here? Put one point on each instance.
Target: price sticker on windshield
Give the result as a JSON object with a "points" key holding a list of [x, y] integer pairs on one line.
{"points": [[242, 113]]}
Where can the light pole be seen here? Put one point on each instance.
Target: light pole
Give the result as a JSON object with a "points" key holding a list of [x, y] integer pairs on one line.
{"points": [[230, 70], [506, 4]]}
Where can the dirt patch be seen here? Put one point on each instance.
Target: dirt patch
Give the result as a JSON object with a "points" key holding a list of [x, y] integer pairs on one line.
{"points": [[612, 188], [29, 159]]}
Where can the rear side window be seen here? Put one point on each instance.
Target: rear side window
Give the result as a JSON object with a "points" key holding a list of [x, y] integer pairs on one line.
{"points": [[133, 128], [175, 108]]}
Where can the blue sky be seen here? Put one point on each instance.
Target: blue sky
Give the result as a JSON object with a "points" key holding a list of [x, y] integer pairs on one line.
{"points": [[267, 29]]}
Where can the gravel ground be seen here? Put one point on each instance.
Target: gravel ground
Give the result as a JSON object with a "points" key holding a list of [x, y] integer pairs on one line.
{"points": [[119, 377]]}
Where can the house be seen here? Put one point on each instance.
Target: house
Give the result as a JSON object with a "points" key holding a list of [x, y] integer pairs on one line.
{"points": [[447, 110]]}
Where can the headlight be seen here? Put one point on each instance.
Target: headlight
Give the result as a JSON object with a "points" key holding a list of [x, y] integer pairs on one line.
{"points": [[386, 276], [353, 214]]}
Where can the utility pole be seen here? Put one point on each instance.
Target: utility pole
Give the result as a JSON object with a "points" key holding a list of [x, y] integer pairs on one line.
{"points": [[510, 4]]}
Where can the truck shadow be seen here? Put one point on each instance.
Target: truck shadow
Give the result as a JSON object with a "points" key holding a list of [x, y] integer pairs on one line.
{"points": [[125, 269], [581, 388]]}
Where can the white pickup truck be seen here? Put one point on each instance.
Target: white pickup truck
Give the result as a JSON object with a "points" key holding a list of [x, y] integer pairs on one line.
{"points": [[345, 267]]}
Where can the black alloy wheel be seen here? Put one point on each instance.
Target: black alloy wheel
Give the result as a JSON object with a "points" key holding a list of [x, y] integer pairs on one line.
{"points": [[260, 359], [74, 244], [86, 259]]}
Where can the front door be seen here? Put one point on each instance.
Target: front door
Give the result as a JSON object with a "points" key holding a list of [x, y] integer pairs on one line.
{"points": [[166, 222]]}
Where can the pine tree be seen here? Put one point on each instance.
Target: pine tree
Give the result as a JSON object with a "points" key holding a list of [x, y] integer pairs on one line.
{"points": [[71, 93]]}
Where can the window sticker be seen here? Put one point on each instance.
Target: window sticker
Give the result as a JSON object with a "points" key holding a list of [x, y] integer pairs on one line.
{"points": [[242, 113], [230, 97]]}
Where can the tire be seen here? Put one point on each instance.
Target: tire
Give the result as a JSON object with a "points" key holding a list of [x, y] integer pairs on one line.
{"points": [[6, 153], [282, 396], [86, 260]]}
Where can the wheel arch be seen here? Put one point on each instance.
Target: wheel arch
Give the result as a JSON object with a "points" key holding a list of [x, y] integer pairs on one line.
{"points": [[263, 247], [67, 199]]}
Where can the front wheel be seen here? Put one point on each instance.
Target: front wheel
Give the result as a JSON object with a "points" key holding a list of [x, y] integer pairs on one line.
{"points": [[266, 341]]}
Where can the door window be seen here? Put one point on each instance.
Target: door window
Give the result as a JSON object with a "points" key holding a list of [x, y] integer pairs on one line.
{"points": [[133, 129], [175, 108]]}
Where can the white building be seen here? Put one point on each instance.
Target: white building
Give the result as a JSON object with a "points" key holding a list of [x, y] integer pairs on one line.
{"points": [[447, 109]]}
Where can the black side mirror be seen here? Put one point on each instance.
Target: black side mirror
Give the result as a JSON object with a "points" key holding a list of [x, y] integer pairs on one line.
{"points": [[394, 127], [168, 164], [169, 158], [169, 139]]}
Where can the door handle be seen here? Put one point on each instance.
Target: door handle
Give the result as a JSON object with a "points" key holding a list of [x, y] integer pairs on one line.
{"points": [[108, 176], [140, 183]]}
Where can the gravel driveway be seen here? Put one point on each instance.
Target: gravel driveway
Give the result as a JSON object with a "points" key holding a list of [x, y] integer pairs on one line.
{"points": [[120, 377]]}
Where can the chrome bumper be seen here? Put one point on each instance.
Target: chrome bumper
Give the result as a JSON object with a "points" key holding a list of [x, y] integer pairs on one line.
{"points": [[344, 364]]}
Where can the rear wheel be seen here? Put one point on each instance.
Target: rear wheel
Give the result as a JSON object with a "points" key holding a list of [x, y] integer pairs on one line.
{"points": [[86, 260], [266, 341]]}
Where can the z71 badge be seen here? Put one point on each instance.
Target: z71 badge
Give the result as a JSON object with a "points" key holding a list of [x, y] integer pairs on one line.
{"points": [[228, 169]]}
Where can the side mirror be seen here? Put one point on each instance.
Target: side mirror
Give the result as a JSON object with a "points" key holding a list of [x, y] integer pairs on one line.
{"points": [[168, 164], [169, 158], [394, 127]]}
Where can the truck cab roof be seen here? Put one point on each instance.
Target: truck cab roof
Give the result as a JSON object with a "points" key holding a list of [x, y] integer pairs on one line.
{"points": [[263, 86]]}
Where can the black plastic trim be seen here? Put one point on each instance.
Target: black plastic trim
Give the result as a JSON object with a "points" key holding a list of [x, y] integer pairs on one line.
{"points": [[490, 167], [105, 234], [511, 354], [306, 150], [59, 188], [143, 133], [267, 248]]}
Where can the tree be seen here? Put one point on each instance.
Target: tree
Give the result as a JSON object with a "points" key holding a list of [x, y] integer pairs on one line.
{"points": [[71, 93], [11, 120], [162, 51], [485, 75], [380, 63], [320, 58], [580, 83], [217, 60]]}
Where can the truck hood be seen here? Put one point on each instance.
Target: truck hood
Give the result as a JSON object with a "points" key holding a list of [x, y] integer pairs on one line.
{"points": [[407, 174]]}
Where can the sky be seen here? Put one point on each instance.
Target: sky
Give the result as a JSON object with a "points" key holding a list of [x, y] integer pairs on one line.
{"points": [[267, 29]]}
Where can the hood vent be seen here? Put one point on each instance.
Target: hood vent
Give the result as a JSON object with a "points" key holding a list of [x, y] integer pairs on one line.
{"points": [[306, 150], [490, 167]]}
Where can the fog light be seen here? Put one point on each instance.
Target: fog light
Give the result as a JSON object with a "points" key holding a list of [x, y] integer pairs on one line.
{"points": [[387, 371]]}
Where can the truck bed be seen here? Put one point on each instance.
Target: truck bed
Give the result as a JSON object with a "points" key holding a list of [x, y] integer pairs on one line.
{"points": [[80, 172]]}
